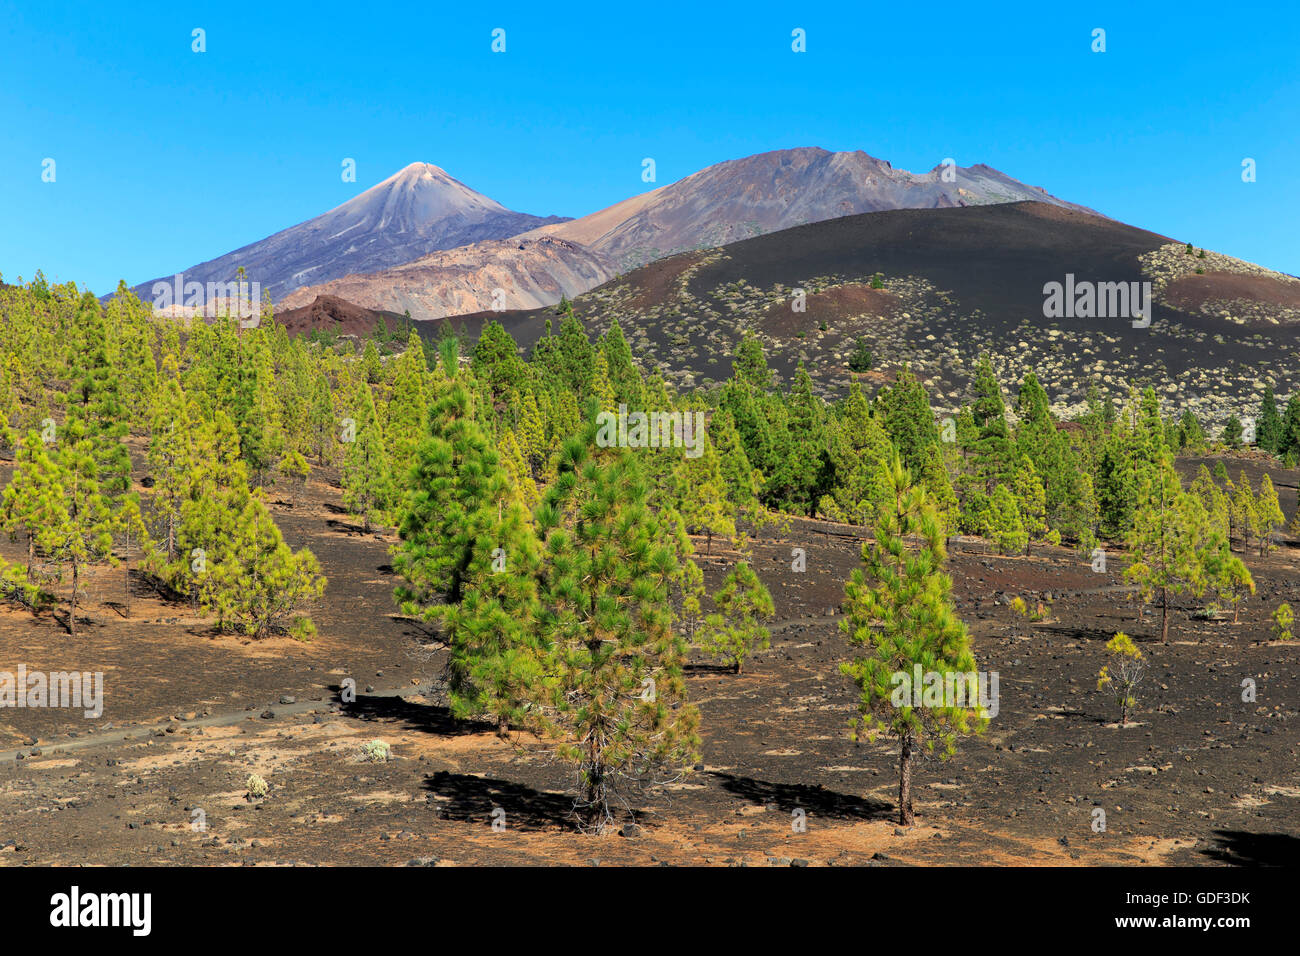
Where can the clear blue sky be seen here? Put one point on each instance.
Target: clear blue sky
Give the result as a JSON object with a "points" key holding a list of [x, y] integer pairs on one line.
{"points": [[167, 157]]}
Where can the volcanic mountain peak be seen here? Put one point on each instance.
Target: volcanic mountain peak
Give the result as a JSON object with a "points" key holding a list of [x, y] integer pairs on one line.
{"points": [[418, 210], [420, 196]]}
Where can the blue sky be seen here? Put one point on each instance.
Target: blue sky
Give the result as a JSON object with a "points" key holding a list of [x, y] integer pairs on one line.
{"points": [[166, 157]]}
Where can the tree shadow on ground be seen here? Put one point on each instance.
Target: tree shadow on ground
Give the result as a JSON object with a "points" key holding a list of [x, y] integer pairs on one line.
{"points": [[814, 800], [472, 800], [703, 668], [428, 718], [1068, 633], [1242, 848], [347, 528]]}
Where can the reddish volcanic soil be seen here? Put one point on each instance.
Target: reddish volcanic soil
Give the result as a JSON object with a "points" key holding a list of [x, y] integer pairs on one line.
{"points": [[1193, 291]]}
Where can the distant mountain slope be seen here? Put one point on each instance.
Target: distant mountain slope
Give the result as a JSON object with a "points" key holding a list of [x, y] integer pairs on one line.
{"points": [[721, 204], [955, 283], [412, 213], [529, 272], [776, 190]]}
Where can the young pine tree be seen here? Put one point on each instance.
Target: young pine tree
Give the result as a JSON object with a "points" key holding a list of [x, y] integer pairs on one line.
{"points": [[736, 630], [498, 664], [260, 584], [1169, 543], [1245, 510], [619, 697], [1122, 673], [80, 529], [456, 474], [699, 491], [899, 609], [1031, 500], [1006, 526], [33, 503], [171, 453], [1268, 513], [367, 483]]}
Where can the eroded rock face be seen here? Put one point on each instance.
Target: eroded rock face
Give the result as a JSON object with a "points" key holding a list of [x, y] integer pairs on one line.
{"points": [[520, 273], [412, 213]]}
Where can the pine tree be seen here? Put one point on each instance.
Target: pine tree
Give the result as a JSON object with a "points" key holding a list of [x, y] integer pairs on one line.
{"points": [[858, 450], [749, 364], [736, 630], [252, 406], [620, 699], [457, 474], [1031, 500], [686, 582], [624, 378], [1268, 431], [1245, 511], [904, 411], [497, 363], [215, 479], [33, 502], [498, 661], [1168, 543], [95, 400], [260, 585], [699, 493], [1006, 526], [512, 459], [743, 480], [1212, 499], [802, 473], [899, 609], [994, 460], [1268, 513], [171, 452], [367, 484], [372, 366], [1288, 444], [1226, 573], [1232, 432], [81, 525], [568, 357], [1122, 675]]}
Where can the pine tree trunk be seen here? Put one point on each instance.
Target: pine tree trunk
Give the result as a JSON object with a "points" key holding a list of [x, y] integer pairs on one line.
{"points": [[905, 759], [1164, 615], [72, 612], [595, 789], [31, 558], [595, 796], [503, 726]]}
